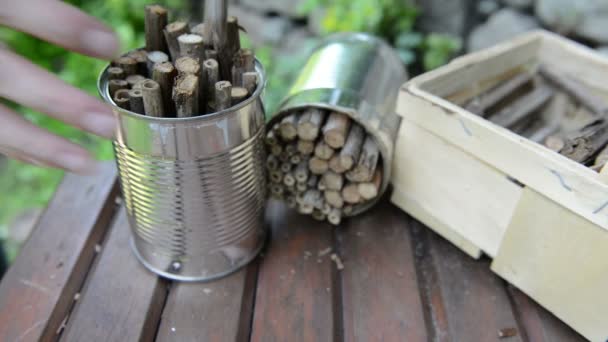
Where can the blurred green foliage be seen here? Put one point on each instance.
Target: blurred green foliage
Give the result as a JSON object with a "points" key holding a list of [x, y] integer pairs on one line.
{"points": [[24, 186], [392, 20]]}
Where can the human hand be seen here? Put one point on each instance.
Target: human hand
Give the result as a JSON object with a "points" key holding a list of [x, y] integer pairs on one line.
{"points": [[23, 82]]}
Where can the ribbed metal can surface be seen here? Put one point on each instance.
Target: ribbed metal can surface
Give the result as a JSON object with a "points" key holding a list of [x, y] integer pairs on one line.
{"points": [[194, 188]]}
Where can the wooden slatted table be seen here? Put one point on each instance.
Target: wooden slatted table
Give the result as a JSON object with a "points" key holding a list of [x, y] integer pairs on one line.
{"points": [[76, 280]]}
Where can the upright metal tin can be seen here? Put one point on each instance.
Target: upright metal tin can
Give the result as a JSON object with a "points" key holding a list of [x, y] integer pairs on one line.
{"points": [[359, 75], [194, 188]]}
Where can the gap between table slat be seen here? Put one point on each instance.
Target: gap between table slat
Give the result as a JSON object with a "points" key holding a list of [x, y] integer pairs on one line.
{"points": [[37, 292]]}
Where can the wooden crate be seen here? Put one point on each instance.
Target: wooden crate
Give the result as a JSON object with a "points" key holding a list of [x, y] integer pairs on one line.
{"points": [[541, 217]]}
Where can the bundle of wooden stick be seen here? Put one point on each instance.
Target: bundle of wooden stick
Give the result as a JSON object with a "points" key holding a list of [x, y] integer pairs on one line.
{"points": [[180, 73], [550, 108], [322, 163]]}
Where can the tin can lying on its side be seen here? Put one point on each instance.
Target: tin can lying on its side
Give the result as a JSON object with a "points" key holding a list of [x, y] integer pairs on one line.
{"points": [[357, 75]]}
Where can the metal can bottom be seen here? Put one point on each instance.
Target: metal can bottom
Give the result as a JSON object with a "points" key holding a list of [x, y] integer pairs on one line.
{"points": [[204, 278]]}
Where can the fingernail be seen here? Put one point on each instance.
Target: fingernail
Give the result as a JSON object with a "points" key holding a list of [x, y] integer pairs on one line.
{"points": [[101, 43], [76, 163], [100, 124]]}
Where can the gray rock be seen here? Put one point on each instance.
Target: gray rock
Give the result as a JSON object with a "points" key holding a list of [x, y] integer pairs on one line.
{"points": [[602, 50], [290, 8], [487, 7], [502, 25], [587, 19], [443, 16], [261, 29], [519, 4]]}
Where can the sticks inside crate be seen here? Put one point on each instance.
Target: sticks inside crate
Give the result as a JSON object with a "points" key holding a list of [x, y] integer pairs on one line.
{"points": [[322, 163], [551, 108], [183, 71]]}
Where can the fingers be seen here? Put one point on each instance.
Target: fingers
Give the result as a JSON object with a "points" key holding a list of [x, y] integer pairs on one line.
{"points": [[22, 140], [31, 86], [62, 24]]}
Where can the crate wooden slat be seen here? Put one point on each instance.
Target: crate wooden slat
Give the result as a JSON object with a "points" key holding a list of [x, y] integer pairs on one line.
{"points": [[37, 292], [479, 184], [120, 300], [559, 259]]}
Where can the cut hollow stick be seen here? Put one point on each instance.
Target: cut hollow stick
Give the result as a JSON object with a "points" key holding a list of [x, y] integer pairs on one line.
{"points": [[191, 45], [522, 108], [276, 150], [127, 64], [334, 198], [370, 190], [290, 200], [336, 129], [272, 163], [301, 187], [318, 215], [350, 193], [153, 58], [285, 167], [276, 176], [223, 95], [277, 190], [301, 172], [211, 75], [333, 180], [290, 149], [185, 95], [321, 185], [116, 73], [115, 85], [295, 159], [153, 100], [238, 95], [271, 138], [233, 39], [335, 217], [156, 19], [250, 81], [141, 58], [587, 142], [172, 32], [243, 61], [188, 66], [305, 147], [335, 165], [164, 74], [317, 166], [323, 151], [326, 208], [309, 124], [136, 101], [575, 89], [368, 160], [287, 127], [493, 96], [289, 180], [121, 98], [199, 29], [349, 154], [134, 79]]}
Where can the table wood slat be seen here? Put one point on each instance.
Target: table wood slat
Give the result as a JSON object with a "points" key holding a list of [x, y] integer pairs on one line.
{"points": [[294, 297], [471, 300], [121, 301], [540, 324], [217, 311], [380, 293], [37, 291]]}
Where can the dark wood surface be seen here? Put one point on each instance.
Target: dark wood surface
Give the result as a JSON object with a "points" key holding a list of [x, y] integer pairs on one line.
{"points": [[400, 282]]}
